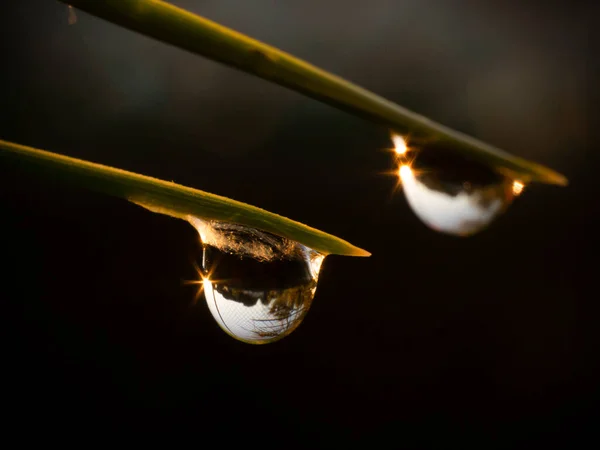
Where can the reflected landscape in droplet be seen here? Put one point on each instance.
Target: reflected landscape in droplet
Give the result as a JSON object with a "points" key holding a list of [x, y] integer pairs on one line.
{"points": [[451, 194], [257, 286]]}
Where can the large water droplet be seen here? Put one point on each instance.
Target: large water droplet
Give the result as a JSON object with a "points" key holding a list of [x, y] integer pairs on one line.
{"points": [[451, 194], [258, 286]]}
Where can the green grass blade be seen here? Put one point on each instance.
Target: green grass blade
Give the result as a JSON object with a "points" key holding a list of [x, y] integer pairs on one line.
{"points": [[181, 28], [170, 198]]}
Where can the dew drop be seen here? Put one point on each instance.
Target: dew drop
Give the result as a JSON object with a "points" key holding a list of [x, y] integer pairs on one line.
{"points": [[258, 286], [72, 16], [453, 195]]}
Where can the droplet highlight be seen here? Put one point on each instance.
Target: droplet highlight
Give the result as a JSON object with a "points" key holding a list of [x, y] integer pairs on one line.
{"points": [[400, 145], [517, 187], [258, 286], [451, 194]]}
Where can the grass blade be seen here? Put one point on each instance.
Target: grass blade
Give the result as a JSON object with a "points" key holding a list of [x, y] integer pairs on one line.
{"points": [[196, 34], [170, 198]]}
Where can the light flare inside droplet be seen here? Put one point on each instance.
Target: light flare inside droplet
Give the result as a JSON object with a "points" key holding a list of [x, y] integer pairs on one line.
{"points": [[405, 172], [400, 146], [517, 187]]}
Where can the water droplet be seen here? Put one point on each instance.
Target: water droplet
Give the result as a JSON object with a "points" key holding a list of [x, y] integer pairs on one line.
{"points": [[72, 16], [258, 286], [451, 194]]}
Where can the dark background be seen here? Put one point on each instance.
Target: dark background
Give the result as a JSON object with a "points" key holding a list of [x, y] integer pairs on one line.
{"points": [[433, 341]]}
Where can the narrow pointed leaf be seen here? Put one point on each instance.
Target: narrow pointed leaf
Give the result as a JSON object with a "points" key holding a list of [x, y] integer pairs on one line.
{"points": [[170, 198], [196, 34]]}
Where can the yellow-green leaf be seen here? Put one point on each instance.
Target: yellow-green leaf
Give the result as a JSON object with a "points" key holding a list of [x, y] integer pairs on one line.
{"points": [[170, 198], [196, 34]]}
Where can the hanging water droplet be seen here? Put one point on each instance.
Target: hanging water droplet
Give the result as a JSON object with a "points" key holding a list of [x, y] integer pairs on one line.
{"points": [[72, 15], [453, 195], [258, 286]]}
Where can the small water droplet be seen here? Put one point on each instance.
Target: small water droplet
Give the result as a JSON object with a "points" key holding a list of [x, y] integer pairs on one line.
{"points": [[453, 195], [257, 286], [72, 16]]}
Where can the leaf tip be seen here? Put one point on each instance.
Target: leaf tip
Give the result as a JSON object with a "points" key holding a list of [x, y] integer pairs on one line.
{"points": [[562, 181], [556, 179], [359, 252]]}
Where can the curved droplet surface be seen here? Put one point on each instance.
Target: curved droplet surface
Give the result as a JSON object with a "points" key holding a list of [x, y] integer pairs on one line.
{"points": [[453, 195], [257, 286]]}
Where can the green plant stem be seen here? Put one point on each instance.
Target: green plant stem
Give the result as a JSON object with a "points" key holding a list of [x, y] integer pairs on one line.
{"points": [[191, 32], [170, 198]]}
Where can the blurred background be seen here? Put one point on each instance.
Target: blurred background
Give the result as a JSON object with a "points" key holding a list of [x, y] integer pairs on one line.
{"points": [[433, 341]]}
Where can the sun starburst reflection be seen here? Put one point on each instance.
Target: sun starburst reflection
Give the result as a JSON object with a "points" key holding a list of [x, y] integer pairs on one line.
{"points": [[405, 172], [202, 281], [400, 146], [517, 187]]}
